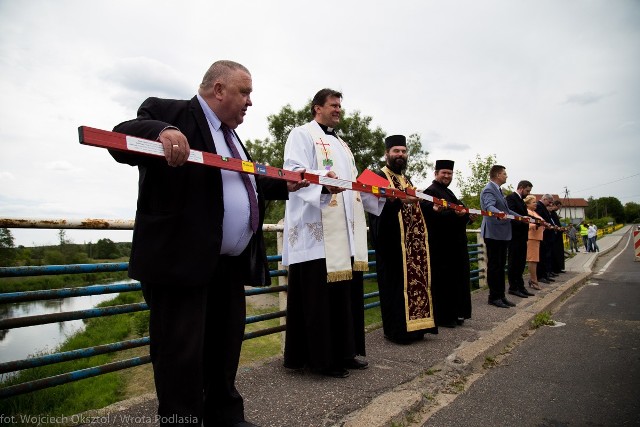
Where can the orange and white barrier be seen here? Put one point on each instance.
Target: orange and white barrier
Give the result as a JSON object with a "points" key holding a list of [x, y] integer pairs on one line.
{"points": [[122, 142], [636, 243]]}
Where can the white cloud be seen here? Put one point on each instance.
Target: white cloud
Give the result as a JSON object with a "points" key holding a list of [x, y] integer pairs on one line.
{"points": [[138, 77], [61, 166], [585, 98], [7, 176]]}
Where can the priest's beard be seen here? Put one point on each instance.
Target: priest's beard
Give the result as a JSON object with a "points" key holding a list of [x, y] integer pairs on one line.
{"points": [[397, 165]]}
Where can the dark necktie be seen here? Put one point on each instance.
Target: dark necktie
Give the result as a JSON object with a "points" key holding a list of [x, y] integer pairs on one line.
{"points": [[254, 217]]}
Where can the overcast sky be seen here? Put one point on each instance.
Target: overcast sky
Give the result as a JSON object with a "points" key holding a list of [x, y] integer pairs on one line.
{"points": [[552, 88]]}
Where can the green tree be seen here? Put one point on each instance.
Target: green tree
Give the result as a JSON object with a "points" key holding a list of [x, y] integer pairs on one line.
{"points": [[419, 164], [68, 252], [632, 212], [366, 143], [23, 255], [592, 208], [62, 236], [471, 186], [7, 247], [606, 206], [106, 249], [53, 256]]}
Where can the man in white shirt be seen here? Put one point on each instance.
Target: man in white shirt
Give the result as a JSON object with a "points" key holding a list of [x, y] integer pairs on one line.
{"points": [[592, 235], [325, 248]]}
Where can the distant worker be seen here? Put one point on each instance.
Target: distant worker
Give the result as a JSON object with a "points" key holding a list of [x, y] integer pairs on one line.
{"points": [[592, 235], [584, 233], [572, 235]]}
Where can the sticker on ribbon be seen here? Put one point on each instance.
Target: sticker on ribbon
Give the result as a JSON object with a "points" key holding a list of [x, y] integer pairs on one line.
{"points": [[248, 166]]}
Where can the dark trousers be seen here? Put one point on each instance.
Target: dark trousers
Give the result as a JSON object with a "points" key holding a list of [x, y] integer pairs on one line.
{"points": [[517, 261], [545, 266], [496, 261], [325, 321], [196, 336], [558, 254]]}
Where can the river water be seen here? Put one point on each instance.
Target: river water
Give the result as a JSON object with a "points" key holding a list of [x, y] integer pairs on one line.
{"points": [[19, 343]]}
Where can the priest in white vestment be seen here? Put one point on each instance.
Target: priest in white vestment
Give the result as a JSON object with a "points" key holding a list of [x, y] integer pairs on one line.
{"points": [[325, 247]]}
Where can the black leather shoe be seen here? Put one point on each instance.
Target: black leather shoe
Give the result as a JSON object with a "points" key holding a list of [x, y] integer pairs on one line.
{"points": [[507, 302], [355, 364], [527, 293], [335, 373], [498, 303], [518, 293], [543, 280], [554, 274], [460, 321], [550, 279]]}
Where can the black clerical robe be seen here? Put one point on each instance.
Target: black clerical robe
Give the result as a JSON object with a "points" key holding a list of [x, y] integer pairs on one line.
{"points": [[399, 236], [450, 285], [558, 245]]}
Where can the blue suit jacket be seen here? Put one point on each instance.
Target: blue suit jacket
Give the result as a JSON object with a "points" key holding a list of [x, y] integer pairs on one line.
{"points": [[492, 200]]}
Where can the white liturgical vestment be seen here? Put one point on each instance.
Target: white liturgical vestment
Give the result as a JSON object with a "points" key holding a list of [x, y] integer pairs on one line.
{"points": [[303, 226]]}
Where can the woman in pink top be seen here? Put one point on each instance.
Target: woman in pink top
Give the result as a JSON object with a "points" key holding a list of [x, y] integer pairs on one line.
{"points": [[533, 244]]}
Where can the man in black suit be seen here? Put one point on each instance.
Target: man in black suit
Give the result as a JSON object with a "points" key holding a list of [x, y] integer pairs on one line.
{"points": [[544, 267], [197, 241], [517, 258], [558, 244]]}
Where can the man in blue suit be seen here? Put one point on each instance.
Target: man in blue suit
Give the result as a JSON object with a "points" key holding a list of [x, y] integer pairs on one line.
{"points": [[497, 234]]}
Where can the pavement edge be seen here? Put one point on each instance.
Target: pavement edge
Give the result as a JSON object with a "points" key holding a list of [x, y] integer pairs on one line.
{"points": [[398, 403]]}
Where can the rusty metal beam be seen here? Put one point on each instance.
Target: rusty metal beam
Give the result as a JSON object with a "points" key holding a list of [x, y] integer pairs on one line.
{"points": [[87, 223]]}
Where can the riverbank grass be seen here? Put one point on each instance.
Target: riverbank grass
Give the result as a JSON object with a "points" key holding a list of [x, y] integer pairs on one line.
{"points": [[78, 396], [103, 390]]}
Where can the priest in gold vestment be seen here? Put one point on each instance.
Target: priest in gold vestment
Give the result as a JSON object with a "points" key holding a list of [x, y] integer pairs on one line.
{"points": [[400, 238]]}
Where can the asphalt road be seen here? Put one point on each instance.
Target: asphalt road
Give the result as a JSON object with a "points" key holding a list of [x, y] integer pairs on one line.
{"points": [[583, 372]]}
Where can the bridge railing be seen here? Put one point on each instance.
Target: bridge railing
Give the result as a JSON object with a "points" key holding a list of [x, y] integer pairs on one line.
{"points": [[15, 366]]}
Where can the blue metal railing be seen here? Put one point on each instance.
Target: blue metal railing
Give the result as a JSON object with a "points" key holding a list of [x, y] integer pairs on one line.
{"points": [[16, 297]]}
